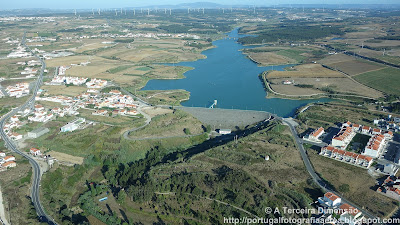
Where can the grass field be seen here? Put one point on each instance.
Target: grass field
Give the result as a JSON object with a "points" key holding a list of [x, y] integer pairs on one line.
{"points": [[340, 85], [386, 80], [170, 97], [355, 67], [64, 90], [62, 157], [270, 58], [170, 124], [66, 61], [305, 70]]}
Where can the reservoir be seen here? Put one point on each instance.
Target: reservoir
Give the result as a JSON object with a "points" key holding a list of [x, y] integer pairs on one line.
{"points": [[228, 76]]}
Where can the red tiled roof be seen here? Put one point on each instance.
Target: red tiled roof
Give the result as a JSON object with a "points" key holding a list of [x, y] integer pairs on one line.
{"points": [[331, 196]]}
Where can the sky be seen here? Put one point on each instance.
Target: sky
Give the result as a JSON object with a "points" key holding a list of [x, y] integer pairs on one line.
{"points": [[85, 4]]}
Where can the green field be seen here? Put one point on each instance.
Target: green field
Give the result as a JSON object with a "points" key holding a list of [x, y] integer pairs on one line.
{"points": [[293, 54], [386, 80], [119, 69]]}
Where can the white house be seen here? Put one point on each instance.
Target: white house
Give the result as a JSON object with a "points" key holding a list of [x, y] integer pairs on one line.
{"points": [[2, 154], [375, 146], [35, 151], [343, 138], [316, 134], [9, 164], [350, 215], [331, 199], [9, 158]]}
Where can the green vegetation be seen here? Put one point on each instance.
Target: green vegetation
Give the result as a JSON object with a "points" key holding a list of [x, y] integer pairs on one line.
{"points": [[24, 180], [119, 69], [385, 80], [358, 143], [291, 33], [293, 54]]}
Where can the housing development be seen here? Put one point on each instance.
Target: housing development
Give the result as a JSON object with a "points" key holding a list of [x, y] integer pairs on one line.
{"points": [[199, 113]]}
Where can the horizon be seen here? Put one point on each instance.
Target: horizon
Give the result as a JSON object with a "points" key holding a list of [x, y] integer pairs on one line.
{"points": [[75, 4]]}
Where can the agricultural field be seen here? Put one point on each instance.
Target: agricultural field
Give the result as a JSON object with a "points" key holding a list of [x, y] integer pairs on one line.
{"points": [[276, 85], [270, 58], [282, 55], [321, 85], [76, 59], [350, 65], [386, 80], [305, 70], [153, 51]]}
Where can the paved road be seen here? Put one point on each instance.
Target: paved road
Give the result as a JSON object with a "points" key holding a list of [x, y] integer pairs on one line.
{"points": [[139, 109], [312, 172], [35, 189]]}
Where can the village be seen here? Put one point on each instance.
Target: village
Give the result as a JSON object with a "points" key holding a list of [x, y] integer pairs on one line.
{"points": [[375, 149]]}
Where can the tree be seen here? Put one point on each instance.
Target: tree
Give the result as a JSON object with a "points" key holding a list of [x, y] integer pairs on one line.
{"points": [[121, 196], [186, 131], [344, 188]]}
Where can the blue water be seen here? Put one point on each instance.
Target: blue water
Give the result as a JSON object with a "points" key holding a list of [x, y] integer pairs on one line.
{"points": [[229, 77]]}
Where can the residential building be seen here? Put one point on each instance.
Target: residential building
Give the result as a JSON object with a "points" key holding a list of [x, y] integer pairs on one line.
{"points": [[315, 135], [9, 164], [347, 157], [330, 200], [375, 146], [365, 129], [9, 158], [350, 215], [35, 151], [343, 137]]}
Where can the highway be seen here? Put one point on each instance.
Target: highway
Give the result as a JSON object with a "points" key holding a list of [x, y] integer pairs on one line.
{"points": [[312, 172], [35, 189]]}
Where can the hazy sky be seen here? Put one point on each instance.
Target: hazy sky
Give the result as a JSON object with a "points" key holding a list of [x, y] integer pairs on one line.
{"points": [[70, 4]]}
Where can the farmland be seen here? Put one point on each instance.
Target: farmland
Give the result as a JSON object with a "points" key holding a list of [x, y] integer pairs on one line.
{"points": [[350, 65], [385, 80], [306, 70]]}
